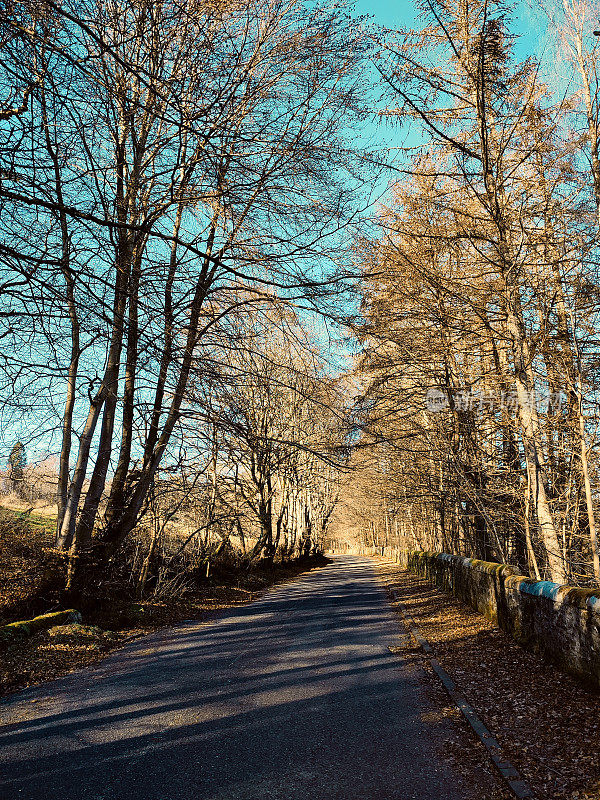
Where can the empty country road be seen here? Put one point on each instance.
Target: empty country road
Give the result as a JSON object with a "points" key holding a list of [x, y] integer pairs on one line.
{"points": [[295, 695]]}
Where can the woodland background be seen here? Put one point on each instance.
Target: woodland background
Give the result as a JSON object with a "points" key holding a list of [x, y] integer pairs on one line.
{"points": [[197, 207]]}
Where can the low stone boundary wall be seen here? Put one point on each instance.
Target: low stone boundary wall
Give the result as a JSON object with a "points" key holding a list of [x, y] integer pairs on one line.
{"points": [[561, 623]]}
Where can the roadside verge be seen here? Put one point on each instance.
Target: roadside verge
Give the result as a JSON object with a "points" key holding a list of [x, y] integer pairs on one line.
{"points": [[547, 723]]}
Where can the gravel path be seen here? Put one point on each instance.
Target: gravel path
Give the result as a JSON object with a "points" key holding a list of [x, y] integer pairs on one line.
{"points": [[295, 695]]}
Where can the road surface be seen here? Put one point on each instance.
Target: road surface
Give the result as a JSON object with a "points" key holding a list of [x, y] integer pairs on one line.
{"points": [[295, 696]]}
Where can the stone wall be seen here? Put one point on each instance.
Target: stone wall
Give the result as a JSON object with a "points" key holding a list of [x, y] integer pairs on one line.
{"points": [[561, 623]]}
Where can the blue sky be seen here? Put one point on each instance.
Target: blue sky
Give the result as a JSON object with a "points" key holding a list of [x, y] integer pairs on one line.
{"points": [[401, 14], [387, 12]]}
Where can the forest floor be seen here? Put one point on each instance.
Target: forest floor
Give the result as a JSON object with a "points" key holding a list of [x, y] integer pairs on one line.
{"points": [[547, 722], [30, 586]]}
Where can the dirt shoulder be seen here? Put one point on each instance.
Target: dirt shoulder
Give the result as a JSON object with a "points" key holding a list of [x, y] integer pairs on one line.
{"points": [[547, 723]]}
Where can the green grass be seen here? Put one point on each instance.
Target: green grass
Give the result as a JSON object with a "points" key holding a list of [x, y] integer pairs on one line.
{"points": [[37, 521]]}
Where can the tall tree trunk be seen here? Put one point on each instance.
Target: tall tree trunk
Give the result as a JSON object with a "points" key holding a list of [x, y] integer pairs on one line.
{"points": [[69, 279]]}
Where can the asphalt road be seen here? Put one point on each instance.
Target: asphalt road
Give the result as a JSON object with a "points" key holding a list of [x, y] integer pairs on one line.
{"points": [[293, 696]]}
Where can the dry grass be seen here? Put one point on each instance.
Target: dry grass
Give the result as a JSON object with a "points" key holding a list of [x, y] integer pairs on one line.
{"points": [[29, 571]]}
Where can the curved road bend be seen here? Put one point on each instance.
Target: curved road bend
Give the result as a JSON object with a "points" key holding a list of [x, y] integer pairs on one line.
{"points": [[293, 697]]}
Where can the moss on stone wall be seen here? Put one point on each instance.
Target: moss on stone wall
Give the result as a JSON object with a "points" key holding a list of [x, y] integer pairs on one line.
{"points": [[28, 627], [562, 623]]}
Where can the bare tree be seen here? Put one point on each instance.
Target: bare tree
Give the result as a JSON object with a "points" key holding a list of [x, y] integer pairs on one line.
{"points": [[183, 157]]}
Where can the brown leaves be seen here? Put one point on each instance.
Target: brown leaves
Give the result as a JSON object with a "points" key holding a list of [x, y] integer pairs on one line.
{"points": [[547, 722]]}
